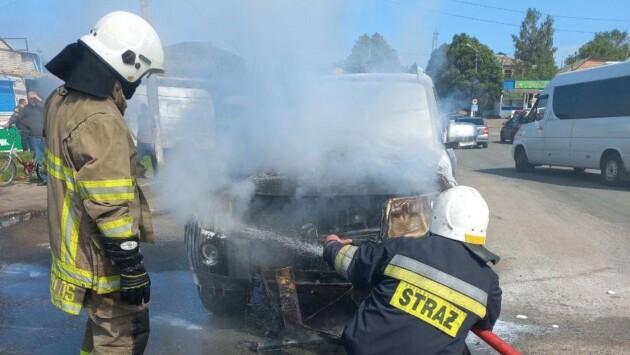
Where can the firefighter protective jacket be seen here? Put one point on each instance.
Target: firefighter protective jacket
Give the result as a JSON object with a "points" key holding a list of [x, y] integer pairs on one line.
{"points": [[93, 192], [427, 294]]}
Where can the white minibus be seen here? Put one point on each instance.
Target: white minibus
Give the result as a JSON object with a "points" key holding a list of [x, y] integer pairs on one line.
{"points": [[580, 120]]}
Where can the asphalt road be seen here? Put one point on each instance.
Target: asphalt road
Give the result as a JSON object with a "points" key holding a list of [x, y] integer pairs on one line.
{"points": [[564, 240], [562, 236]]}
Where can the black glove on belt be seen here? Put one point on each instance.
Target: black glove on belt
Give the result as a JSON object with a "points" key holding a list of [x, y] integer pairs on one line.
{"points": [[135, 285]]}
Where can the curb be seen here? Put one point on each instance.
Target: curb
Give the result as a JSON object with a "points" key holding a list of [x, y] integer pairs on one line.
{"points": [[12, 218]]}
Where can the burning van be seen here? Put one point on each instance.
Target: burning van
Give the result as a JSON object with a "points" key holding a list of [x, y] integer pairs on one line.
{"points": [[370, 173]]}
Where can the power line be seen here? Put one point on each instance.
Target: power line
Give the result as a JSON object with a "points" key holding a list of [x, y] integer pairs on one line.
{"points": [[205, 18], [558, 16], [473, 18]]}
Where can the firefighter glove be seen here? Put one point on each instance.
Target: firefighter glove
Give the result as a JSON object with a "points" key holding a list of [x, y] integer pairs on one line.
{"points": [[135, 285], [123, 252]]}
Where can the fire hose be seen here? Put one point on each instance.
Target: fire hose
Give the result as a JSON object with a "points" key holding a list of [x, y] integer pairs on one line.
{"points": [[495, 342]]}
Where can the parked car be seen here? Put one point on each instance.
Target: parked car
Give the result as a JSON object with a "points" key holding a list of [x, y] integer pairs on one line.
{"points": [[482, 130], [283, 224], [509, 129], [580, 120]]}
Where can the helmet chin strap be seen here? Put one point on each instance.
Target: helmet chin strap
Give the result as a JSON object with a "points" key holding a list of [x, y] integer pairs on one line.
{"points": [[84, 71], [129, 88]]}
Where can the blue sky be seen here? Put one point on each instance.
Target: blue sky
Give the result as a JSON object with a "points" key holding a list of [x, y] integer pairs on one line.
{"points": [[407, 24]]}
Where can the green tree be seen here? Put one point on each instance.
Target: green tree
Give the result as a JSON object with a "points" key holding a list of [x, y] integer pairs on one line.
{"points": [[609, 45], [372, 54], [534, 46], [457, 77]]}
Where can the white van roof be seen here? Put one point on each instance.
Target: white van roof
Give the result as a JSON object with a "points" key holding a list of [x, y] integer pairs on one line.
{"points": [[606, 71]]}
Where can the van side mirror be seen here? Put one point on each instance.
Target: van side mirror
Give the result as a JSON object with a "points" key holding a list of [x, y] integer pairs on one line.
{"points": [[460, 132]]}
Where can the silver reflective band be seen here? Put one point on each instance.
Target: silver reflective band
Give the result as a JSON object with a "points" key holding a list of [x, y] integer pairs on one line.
{"points": [[129, 245], [441, 277]]}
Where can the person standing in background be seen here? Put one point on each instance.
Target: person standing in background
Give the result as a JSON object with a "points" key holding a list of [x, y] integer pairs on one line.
{"points": [[34, 119], [20, 126], [146, 137]]}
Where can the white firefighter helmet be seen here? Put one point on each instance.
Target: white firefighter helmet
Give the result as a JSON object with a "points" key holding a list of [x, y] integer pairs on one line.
{"points": [[128, 44], [460, 213]]}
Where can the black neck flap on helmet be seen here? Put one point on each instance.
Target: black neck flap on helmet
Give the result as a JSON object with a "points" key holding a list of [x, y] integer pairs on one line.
{"points": [[84, 71]]}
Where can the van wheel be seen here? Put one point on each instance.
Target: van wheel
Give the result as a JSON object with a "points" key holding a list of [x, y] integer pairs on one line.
{"points": [[484, 145], [503, 139], [521, 163], [512, 137], [611, 169]]}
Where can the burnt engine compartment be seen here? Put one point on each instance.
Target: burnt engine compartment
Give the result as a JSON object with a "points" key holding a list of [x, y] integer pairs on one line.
{"points": [[314, 217]]}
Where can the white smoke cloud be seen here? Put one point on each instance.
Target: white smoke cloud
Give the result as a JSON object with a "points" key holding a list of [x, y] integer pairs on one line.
{"points": [[290, 115]]}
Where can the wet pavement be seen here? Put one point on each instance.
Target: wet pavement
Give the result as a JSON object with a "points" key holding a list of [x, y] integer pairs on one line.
{"points": [[29, 324]]}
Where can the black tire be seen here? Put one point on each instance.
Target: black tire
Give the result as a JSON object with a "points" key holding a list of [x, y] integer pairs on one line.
{"points": [[521, 162], [8, 170], [579, 170], [484, 145], [611, 167], [222, 302], [502, 139], [512, 137]]}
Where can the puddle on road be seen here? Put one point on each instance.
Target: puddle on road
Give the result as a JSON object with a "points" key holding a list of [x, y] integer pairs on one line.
{"points": [[175, 321], [30, 270], [171, 290]]}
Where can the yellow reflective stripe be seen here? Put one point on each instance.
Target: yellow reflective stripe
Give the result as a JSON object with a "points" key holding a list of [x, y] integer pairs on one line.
{"points": [[83, 352], [58, 170], [344, 258], [53, 159], [110, 197], [65, 212], [118, 228], [106, 183], [440, 277], [107, 190], [69, 232], [66, 295], [85, 278], [436, 288], [107, 284], [66, 306], [474, 239]]}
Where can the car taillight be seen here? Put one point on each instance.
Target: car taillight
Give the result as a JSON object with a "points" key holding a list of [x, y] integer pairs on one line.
{"points": [[486, 130]]}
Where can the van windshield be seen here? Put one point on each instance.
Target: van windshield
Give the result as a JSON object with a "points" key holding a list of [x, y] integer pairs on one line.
{"points": [[366, 108]]}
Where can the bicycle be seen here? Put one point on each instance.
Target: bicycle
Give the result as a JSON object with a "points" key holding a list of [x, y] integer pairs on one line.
{"points": [[8, 169]]}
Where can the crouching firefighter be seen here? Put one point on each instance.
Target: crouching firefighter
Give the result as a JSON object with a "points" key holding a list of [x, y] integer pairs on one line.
{"points": [[428, 292], [97, 213]]}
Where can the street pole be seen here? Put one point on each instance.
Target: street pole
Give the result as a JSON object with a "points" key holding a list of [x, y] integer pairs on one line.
{"points": [[153, 100], [473, 86]]}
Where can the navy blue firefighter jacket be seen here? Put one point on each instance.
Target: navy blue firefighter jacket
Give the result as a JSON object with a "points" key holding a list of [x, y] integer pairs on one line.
{"points": [[427, 293]]}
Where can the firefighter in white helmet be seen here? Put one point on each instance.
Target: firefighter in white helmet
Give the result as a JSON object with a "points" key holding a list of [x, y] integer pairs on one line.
{"points": [[98, 215], [428, 292]]}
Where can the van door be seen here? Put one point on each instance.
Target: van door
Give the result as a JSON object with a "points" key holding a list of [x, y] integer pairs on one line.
{"points": [[557, 139], [534, 137]]}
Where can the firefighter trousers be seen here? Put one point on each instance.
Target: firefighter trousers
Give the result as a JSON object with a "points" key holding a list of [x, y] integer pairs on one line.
{"points": [[113, 326]]}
